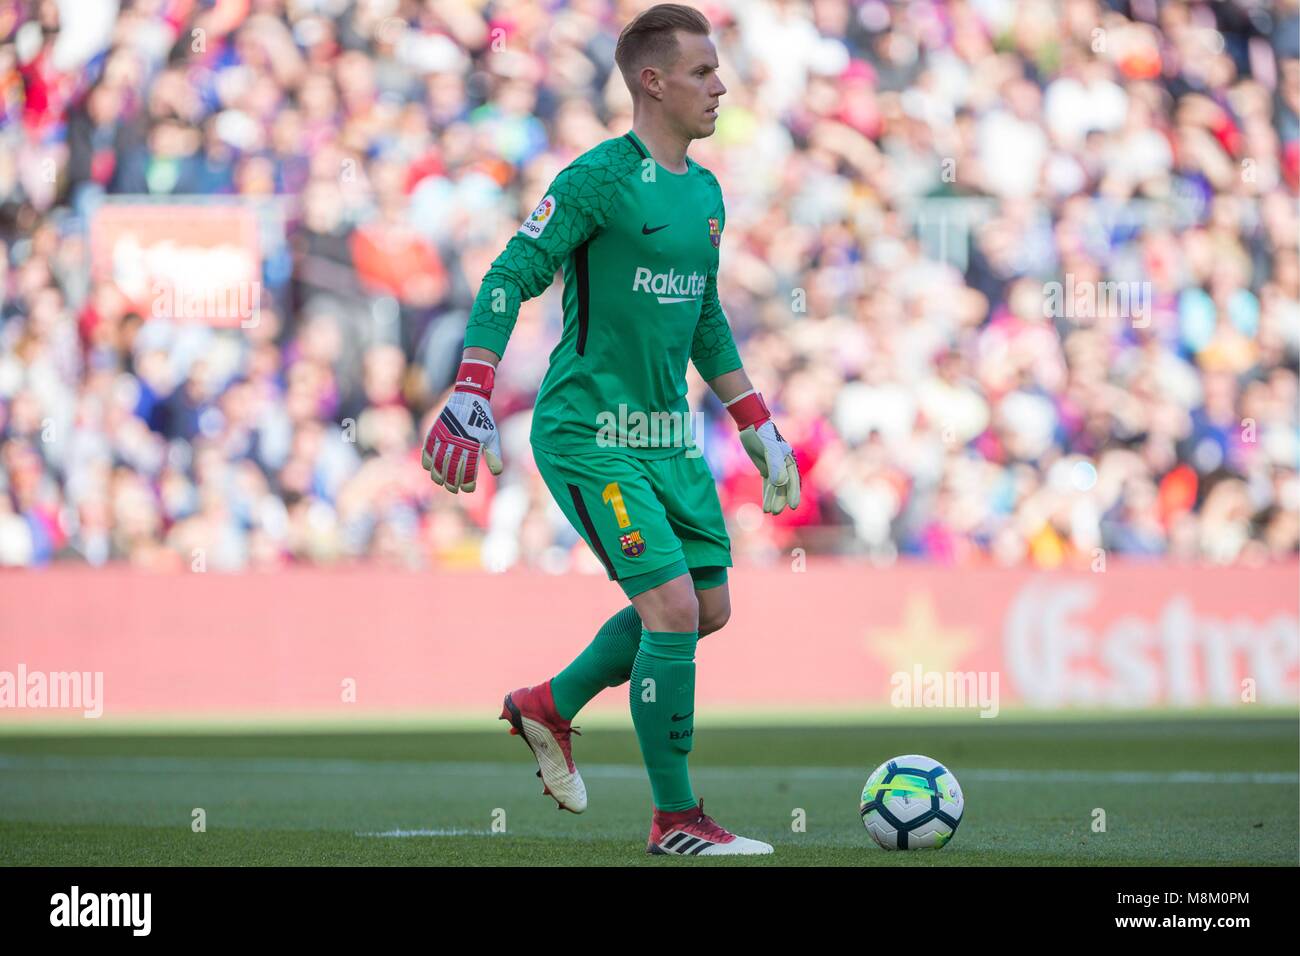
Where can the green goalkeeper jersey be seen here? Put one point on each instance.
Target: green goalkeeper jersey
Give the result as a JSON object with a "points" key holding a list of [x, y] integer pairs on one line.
{"points": [[639, 249]]}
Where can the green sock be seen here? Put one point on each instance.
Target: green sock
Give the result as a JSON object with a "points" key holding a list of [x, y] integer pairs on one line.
{"points": [[605, 662], [662, 695]]}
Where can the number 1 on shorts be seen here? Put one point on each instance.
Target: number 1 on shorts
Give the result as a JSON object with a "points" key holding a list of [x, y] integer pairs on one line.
{"points": [[612, 496]]}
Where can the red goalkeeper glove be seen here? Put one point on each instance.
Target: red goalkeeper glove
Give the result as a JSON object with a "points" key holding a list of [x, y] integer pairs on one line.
{"points": [[464, 430]]}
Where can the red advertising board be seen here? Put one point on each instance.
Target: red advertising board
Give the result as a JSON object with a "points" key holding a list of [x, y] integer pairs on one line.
{"points": [[189, 262], [835, 635]]}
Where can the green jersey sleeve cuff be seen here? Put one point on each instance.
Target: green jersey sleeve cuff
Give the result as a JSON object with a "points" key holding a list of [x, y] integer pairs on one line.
{"points": [[486, 337]]}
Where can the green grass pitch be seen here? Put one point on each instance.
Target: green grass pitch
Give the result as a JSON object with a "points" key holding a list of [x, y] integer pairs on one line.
{"points": [[1214, 790]]}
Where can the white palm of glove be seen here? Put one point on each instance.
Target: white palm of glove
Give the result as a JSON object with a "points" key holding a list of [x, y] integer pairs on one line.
{"points": [[476, 414], [775, 461]]}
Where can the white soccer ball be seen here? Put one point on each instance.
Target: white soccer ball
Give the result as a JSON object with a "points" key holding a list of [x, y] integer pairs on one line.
{"points": [[911, 803]]}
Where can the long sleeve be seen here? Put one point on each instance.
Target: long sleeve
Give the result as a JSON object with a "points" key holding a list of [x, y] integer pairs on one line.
{"points": [[713, 350], [575, 206]]}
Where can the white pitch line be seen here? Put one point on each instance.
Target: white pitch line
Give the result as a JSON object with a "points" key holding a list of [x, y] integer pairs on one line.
{"points": [[1128, 776], [407, 768], [453, 831]]}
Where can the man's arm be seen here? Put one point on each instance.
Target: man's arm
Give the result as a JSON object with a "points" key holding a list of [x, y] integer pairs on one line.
{"points": [[713, 350], [731, 385], [717, 359], [575, 205]]}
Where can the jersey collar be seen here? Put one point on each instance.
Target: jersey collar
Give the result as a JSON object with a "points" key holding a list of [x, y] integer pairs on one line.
{"points": [[645, 154]]}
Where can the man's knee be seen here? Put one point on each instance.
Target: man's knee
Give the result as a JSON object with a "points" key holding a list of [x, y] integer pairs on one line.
{"points": [[670, 607], [714, 614], [681, 612]]}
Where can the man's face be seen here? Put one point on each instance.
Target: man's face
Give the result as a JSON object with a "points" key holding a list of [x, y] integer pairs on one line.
{"points": [[691, 88]]}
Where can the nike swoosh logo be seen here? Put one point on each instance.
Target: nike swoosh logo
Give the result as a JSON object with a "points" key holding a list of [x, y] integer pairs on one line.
{"points": [[677, 717], [646, 230]]}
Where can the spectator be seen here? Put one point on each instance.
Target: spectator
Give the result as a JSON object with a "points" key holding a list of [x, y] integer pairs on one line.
{"points": [[1021, 278]]}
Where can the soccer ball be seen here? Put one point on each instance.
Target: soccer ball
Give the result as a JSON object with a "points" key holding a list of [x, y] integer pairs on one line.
{"points": [[912, 802]]}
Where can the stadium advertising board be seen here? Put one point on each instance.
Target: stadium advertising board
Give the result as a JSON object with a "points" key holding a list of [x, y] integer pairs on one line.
{"points": [[835, 637], [186, 262]]}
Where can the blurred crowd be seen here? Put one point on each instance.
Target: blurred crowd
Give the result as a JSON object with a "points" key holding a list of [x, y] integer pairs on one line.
{"points": [[932, 210]]}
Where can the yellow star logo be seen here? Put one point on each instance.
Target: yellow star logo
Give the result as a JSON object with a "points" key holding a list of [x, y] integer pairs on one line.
{"points": [[920, 639]]}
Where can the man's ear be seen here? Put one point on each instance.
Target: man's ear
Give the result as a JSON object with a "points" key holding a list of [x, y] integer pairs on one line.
{"points": [[652, 84]]}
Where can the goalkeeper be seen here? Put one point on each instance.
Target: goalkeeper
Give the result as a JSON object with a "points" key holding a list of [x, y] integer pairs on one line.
{"points": [[636, 227]]}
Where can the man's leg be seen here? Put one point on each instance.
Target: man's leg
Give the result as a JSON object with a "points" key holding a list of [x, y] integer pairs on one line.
{"points": [[609, 500], [662, 694], [607, 660], [617, 506], [715, 605], [662, 689]]}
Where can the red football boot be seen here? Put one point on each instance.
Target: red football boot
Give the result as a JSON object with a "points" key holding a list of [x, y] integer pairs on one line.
{"points": [[532, 716], [691, 833]]}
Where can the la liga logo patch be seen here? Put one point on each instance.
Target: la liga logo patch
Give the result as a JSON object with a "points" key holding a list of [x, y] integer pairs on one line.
{"points": [[537, 222], [715, 232], [632, 543]]}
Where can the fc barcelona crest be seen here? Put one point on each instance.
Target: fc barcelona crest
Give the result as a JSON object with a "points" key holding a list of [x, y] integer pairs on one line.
{"points": [[715, 232], [632, 543]]}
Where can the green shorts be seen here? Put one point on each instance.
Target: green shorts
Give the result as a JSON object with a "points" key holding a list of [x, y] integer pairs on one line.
{"points": [[648, 520]]}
